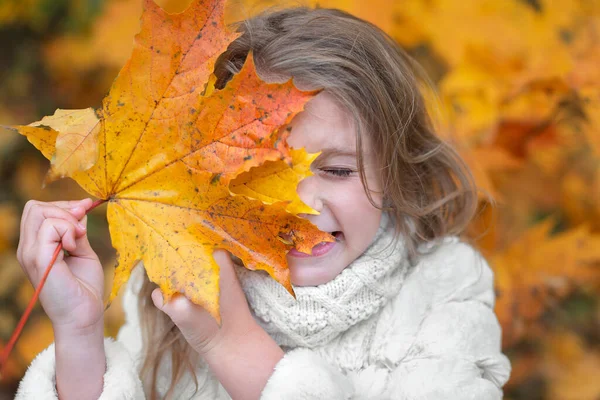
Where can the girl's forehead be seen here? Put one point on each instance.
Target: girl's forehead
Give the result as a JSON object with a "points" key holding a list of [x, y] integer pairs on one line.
{"points": [[324, 106], [323, 125]]}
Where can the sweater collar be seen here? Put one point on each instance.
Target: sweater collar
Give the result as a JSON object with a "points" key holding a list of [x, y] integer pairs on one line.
{"points": [[321, 313]]}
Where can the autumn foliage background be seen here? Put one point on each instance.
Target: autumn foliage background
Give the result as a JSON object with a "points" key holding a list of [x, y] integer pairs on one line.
{"points": [[518, 93]]}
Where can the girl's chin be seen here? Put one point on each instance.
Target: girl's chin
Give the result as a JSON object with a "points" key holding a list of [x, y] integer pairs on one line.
{"points": [[303, 277], [314, 271]]}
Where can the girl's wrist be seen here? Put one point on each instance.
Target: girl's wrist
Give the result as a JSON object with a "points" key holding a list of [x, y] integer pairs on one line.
{"points": [[227, 337], [80, 361], [68, 333], [238, 352]]}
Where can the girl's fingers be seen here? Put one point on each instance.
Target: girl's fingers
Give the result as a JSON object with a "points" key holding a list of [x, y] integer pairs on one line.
{"points": [[52, 232], [37, 214], [229, 284], [83, 249], [197, 326], [85, 203], [35, 211], [232, 300], [186, 315]]}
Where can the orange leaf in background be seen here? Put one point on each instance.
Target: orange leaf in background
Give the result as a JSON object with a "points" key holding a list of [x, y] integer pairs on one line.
{"points": [[539, 267], [169, 146], [540, 143]]}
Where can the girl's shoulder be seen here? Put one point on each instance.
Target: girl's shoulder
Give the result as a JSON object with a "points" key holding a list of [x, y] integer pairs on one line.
{"points": [[453, 270], [451, 281]]}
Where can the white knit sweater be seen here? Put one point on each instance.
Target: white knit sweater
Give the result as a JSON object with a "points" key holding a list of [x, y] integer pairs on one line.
{"points": [[380, 330]]}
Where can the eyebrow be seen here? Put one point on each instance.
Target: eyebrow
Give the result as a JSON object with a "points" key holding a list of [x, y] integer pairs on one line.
{"points": [[337, 152]]}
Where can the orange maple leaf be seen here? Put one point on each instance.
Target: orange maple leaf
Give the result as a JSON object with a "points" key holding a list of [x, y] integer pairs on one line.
{"points": [[169, 144]]}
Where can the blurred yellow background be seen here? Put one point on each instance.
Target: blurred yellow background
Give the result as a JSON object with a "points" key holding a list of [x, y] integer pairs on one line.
{"points": [[518, 93]]}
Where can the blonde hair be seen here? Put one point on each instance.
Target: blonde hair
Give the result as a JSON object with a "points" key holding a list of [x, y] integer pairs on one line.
{"points": [[426, 185]]}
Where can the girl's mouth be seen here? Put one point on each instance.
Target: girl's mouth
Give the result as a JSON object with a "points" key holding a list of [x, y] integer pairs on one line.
{"points": [[320, 249]]}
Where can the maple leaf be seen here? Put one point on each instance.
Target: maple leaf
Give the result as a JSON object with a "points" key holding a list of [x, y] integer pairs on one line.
{"points": [[73, 148], [275, 180], [168, 146]]}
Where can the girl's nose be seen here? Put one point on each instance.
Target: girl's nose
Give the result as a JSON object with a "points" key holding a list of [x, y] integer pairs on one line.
{"points": [[309, 192]]}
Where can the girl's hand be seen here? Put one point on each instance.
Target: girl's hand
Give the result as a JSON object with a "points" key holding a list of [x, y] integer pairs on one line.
{"points": [[239, 346], [198, 327], [72, 294]]}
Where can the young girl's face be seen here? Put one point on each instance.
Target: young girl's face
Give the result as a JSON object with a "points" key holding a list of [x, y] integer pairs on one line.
{"points": [[335, 190]]}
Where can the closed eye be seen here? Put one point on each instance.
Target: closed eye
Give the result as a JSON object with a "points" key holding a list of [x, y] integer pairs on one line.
{"points": [[338, 172]]}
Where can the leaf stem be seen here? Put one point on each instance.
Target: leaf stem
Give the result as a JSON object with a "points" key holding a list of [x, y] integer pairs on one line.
{"points": [[17, 332]]}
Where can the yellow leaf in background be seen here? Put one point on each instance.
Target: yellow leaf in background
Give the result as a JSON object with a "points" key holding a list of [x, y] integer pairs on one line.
{"points": [[511, 34], [109, 42], [484, 161], [75, 146], [238, 10], [501, 58], [411, 22], [591, 104], [472, 97], [273, 181], [572, 368], [536, 101], [539, 267], [498, 27], [580, 198]]}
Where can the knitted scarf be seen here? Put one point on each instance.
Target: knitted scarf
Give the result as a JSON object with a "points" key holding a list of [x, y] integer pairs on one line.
{"points": [[321, 313]]}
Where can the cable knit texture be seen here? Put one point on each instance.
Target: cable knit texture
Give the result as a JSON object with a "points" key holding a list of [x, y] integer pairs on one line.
{"points": [[320, 313], [380, 330]]}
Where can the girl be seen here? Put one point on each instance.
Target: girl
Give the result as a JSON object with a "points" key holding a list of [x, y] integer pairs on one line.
{"points": [[396, 308]]}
